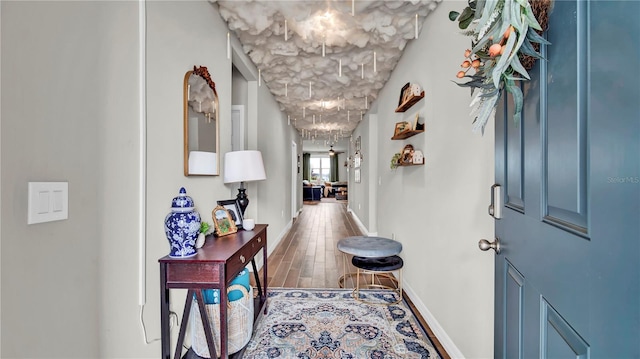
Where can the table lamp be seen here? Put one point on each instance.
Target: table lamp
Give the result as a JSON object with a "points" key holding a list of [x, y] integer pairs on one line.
{"points": [[243, 166]]}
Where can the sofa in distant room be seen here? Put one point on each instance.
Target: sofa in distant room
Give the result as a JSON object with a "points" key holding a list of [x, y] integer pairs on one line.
{"points": [[311, 192]]}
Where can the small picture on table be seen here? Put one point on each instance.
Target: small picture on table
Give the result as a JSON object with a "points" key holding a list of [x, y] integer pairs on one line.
{"points": [[223, 222], [233, 208]]}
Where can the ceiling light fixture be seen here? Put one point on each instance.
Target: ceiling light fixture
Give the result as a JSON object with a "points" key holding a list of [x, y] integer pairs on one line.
{"points": [[332, 152]]}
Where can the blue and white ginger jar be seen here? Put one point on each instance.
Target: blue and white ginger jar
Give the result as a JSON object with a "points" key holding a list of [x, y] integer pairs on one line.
{"points": [[182, 226]]}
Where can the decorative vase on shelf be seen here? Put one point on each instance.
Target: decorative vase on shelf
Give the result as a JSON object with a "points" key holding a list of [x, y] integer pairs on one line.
{"points": [[182, 226]]}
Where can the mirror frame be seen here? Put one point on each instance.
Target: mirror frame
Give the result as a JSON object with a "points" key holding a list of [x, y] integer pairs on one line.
{"points": [[204, 73]]}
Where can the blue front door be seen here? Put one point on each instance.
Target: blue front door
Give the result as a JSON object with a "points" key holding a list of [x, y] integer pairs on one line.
{"points": [[568, 276]]}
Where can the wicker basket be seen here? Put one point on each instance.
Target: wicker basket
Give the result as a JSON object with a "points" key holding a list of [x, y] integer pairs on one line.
{"points": [[239, 323]]}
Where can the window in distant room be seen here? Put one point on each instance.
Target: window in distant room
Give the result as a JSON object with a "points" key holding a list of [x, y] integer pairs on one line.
{"points": [[320, 168]]}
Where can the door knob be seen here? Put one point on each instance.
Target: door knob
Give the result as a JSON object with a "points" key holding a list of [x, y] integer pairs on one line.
{"points": [[484, 245]]}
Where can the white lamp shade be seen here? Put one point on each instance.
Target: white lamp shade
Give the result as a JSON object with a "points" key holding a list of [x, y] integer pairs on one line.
{"points": [[243, 166]]}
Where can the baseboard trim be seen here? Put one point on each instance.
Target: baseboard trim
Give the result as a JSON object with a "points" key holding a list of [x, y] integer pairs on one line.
{"points": [[360, 225], [271, 245], [433, 323]]}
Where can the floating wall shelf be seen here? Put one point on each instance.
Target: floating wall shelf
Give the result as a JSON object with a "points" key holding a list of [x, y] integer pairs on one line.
{"points": [[406, 134], [410, 164], [409, 102]]}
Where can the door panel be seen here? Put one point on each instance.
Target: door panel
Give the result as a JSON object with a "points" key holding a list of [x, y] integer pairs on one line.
{"points": [[513, 312], [514, 166], [565, 200], [568, 275], [559, 340]]}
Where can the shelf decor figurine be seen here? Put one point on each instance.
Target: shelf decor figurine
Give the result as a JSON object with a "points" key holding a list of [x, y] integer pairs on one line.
{"points": [[182, 226]]}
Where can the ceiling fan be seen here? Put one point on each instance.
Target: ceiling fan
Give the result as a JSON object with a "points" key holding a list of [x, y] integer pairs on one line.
{"points": [[332, 152]]}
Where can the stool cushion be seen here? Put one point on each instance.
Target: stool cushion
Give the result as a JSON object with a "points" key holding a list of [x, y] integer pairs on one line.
{"points": [[362, 246], [380, 264]]}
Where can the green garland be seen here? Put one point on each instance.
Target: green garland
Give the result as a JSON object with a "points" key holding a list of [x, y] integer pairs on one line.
{"points": [[496, 63]]}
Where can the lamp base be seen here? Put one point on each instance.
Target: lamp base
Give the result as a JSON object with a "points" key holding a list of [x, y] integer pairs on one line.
{"points": [[243, 200]]}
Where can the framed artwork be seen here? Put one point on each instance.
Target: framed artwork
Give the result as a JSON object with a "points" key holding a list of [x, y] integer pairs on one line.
{"points": [[405, 93], [401, 127], [356, 175], [406, 157], [233, 208], [223, 222]]}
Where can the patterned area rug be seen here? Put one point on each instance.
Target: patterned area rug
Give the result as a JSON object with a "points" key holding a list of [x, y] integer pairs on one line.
{"points": [[326, 323]]}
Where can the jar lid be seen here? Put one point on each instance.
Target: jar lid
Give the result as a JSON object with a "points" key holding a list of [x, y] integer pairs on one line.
{"points": [[182, 203]]}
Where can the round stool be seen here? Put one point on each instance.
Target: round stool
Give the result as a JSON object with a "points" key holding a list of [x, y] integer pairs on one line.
{"points": [[378, 267], [362, 246]]}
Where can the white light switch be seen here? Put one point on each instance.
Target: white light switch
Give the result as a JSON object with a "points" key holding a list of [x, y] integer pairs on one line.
{"points": [[48, 201]]}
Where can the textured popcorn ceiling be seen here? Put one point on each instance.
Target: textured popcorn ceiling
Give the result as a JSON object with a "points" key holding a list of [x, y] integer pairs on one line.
{"points": [[307, 84]]}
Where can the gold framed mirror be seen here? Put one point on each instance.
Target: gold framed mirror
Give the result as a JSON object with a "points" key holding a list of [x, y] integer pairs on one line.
{"points": [[201, 131]]}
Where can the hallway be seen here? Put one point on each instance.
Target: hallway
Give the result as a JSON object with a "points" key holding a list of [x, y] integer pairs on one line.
{"points": [[308, 256]]}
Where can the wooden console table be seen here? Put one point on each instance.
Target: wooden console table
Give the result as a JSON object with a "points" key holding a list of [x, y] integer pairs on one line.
{"points": [[214, 266]]}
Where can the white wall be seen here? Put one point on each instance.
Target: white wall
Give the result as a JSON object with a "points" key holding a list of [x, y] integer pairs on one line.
{"points": [[359, 192], [69, 74], [438, 211], [274, 137]]}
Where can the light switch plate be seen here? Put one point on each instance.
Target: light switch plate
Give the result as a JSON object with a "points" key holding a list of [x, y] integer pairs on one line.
{"points": [[48, 201]]}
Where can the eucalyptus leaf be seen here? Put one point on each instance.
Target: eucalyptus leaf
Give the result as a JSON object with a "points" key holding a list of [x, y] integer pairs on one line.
{"points": [[533, 22], [487, 11], [516, 19], [478, 6], [453, 15], [533, 36], [518, 99], [465, 23], [466, 14], [503, 63], [527, 49], [521, 39], [516, 65]]}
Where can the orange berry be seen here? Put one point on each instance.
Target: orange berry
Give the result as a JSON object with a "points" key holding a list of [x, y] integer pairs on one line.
{"points": [[466, 64], [475, 64], [494, 50], [467, 53], [460, 74], [507, 32]]}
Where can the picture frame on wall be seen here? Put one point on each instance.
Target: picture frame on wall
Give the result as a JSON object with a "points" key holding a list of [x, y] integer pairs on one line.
{"points": [[401, 127], [233, 207], [405, 93], [356, 175], [417, 126]]}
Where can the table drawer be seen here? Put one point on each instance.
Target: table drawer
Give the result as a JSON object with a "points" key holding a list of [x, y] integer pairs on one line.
{"points": [[241, 258], [188, 275]]}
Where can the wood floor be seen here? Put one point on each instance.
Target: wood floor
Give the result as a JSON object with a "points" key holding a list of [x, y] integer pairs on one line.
{"points": [[308, 256]]}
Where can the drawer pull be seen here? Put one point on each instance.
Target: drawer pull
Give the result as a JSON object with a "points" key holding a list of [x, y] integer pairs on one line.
{"points": [[259, 239], [242, 259]]}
